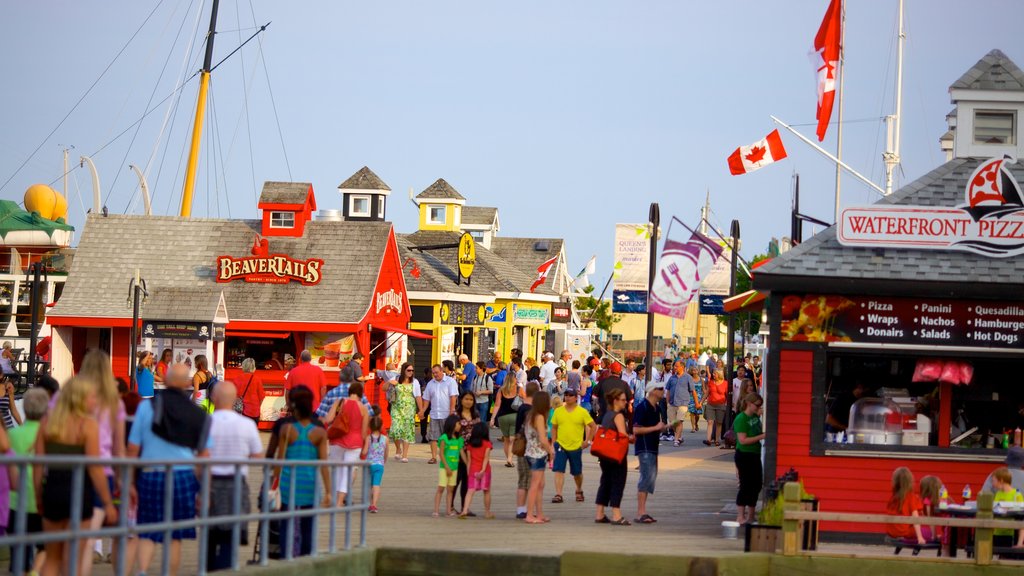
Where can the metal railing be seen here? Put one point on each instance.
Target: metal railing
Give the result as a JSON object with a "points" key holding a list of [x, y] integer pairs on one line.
{"points": [[18, 538]]}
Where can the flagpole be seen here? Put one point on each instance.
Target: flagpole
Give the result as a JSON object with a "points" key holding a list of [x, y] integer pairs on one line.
{"points": [[654, 215], [842, 79], [828, 155]]}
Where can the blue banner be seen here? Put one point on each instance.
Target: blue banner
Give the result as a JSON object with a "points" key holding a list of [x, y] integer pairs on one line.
{"points": [[710, 304], [629, 301]]}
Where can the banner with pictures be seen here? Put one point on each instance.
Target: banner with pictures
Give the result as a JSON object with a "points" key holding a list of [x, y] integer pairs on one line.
{"points": [[632, 256]]}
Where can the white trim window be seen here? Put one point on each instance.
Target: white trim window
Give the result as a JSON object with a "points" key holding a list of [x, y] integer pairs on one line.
{"points": [[282, 219], [436, 214], [359, 206], [995, 127]]}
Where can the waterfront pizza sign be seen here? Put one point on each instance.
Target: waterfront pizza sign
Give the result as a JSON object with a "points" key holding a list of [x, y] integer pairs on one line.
{"points": [[990, 222]]}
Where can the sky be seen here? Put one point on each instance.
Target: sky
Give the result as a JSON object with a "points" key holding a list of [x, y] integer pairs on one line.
{"points": [[568, 116]]}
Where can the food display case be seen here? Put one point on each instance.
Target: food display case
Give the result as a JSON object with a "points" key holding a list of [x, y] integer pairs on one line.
{"points": [[876, 421]]}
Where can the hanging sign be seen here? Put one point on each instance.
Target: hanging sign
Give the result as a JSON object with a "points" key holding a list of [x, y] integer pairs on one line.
{"points": [[712, 304], [632, 256], [990, 222], [181, 330], [467, 256]]}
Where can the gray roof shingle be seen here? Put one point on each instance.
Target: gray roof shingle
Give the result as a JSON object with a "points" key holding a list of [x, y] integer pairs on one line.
{"points": [[440, 190], [995, 71], [479, 215], [179, 255], [823, 263], [285, 192], [364, 179], [437, 272], [523, 254]]}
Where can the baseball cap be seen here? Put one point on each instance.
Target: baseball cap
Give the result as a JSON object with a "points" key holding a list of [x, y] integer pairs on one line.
{"points": [[654, 386], [570, 392], [595, 362], [616, 368]]}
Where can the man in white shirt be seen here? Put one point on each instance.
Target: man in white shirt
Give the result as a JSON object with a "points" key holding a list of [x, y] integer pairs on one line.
{"points": [[547, 370], [516, 366], [441, 392], [232, 436], [629, 371]]}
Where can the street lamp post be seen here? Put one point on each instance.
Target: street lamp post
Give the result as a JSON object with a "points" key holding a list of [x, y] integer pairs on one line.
{"points": [[655, 218], [136, 294]]}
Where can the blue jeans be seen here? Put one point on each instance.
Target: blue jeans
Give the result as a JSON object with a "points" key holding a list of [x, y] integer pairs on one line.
{"points": [[648, 472]]}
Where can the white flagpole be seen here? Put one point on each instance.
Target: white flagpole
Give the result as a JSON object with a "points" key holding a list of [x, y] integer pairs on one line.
{"points": [[842, 79], [829, 155]]}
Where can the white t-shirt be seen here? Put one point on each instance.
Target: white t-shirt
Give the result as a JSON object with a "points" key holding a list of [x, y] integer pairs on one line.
{"points": [[547, 372], [232, 436], [521, 378], [439, 394]]}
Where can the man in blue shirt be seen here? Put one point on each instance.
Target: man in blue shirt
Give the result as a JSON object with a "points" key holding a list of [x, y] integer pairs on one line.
{"points": [[145, 443], [346, 376], [468, 374], [647, 425]]}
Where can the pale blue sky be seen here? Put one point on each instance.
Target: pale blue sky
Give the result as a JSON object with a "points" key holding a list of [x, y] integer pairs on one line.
{"points": [[568, 116]]}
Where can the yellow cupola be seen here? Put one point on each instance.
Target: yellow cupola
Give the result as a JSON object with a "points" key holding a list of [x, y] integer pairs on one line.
{"points": [[440, 207]]}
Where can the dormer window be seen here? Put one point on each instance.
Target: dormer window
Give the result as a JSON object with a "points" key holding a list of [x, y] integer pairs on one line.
{"points": [[282, 219], [436, 214], [995, 127], [359, 206]]}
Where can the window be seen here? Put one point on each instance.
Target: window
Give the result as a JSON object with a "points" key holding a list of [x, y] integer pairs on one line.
{"points": [[359, 206], [477, 235], [435, 214], [282, 219], [616, 337], [995, 127]]}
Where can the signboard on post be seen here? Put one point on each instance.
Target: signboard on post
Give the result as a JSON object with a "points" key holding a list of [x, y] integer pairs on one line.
{"points": [[632, 266]]}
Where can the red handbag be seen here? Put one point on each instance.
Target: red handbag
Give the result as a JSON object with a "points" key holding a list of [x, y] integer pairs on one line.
{"points": [[609, 444]]}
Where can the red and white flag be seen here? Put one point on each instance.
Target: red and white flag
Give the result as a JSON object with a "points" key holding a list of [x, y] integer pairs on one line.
{"points": [[542, 272], [825, 58], [757, 155]]}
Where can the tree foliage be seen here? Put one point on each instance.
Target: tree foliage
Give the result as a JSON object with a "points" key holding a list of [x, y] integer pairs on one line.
{"points": [[599, 313]]}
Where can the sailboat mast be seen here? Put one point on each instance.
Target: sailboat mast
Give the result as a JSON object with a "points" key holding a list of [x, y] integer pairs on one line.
{"points": [[892, 154], [839, 101], [197, 128]]}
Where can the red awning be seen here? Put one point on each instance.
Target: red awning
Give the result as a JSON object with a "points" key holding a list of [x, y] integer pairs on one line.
{"points": [[252, 334], [405, 331], [749, 301]]}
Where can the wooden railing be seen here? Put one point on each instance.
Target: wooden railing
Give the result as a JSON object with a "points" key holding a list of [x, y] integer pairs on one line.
{"points": [[984, 522]]}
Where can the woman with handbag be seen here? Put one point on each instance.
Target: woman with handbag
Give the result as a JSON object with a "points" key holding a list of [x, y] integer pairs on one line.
{"points": [[609, 442], [348, 424], [505, 414], [250, 392], [406, 404]]}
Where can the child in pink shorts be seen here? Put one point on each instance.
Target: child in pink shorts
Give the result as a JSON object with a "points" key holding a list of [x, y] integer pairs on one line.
{"points": [[478, 453]]}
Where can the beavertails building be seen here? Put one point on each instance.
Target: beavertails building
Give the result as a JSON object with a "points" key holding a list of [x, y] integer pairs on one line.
{"points": [[900, 343]]}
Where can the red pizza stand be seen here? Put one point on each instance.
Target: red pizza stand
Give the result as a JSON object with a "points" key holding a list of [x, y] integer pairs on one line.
{"points": [[919, 318], [235, 289]]}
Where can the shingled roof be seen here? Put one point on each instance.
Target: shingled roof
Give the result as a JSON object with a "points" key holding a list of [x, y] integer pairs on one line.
{"points": [[440, 190], [524, 255], [822, 263], [478, 215], [364, 179], [995, 71], [437, 274], [179, 254], [493, 273], [285, 192]]}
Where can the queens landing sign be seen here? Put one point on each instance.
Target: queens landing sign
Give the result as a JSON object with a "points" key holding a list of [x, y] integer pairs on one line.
{"points": [[270, 269], [991, 222]]}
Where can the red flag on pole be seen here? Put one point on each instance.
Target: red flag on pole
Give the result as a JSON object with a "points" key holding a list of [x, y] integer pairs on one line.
{"points": [[542, 273], [826, 53]]}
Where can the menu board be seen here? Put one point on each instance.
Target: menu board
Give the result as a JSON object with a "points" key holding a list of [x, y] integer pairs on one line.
{"points": [[976, 323]]}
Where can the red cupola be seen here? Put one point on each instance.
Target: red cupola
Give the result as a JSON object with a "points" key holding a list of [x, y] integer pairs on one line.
{"points": [[286, 207]]}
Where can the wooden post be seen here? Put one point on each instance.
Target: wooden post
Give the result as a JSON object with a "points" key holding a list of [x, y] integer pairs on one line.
{"points": [[983, 536], [791, 502]]}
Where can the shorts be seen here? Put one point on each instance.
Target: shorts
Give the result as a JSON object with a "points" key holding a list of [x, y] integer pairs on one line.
{"points": [[507, 425], [483, 483], [714, 413], [677, 413], [537, 464], [376, 474], [522, 473], [573, 457], [648, 472], [342, 474], [96, 502], [434, 429], [444, 480], [150, 487]]}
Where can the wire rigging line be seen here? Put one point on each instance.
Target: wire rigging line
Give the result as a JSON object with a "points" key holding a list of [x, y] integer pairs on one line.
{"points": [[248, 123], [82, 98], [270, 90], [181, 74]]}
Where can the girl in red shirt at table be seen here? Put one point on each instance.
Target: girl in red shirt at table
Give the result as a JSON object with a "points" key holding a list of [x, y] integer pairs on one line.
{"points": [[930, 489], [904, 502]]}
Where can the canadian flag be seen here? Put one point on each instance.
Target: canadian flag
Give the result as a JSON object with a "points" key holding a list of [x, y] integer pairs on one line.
{"points": [[542, 272], [825, 58], [757, 155]]}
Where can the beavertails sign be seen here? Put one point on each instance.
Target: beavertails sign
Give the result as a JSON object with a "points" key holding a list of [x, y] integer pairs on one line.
{"points": [[991, 222], [266, 268]]}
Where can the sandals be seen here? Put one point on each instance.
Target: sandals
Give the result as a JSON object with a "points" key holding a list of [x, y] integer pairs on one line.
{"points": [[509, 465], [432, 461], [602, 520], [645, 519], [579, 496], [620, 522], [707, 442], [557, 499]]}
